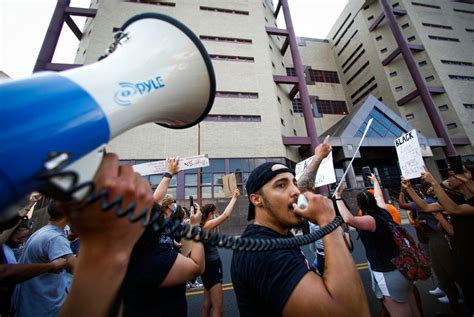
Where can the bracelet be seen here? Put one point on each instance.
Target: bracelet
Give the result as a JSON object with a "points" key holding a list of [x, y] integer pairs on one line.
{"points": [[166, 174], [339, 199]]}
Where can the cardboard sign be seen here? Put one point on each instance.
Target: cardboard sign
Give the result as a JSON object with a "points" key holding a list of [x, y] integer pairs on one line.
{"points": [[158, 167], [325, 175], [409, 155], [230, 184]]}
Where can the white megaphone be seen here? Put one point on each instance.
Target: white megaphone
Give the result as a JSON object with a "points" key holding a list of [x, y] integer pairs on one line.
{"points": [[159, 72]]}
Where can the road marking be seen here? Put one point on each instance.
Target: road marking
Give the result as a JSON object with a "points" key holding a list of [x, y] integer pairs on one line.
{"points": [[229, 286]]}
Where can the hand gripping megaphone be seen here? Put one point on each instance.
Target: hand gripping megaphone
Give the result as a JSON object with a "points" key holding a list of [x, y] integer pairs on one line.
{"points": [[159, 71]]}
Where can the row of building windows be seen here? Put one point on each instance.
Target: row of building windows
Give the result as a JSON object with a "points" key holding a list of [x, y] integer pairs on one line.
{"points": [[237, 94], [222, 10], [342, 25], [367, 83], [353, 62], [443, 38], [460, 77], [368, 91], [358, 72], [225, 39], [323, 106], [458, 63], [352, 55], [232, 58], [463, 11], [347, 43], [439, 26], [344, 33], [233, 118]]}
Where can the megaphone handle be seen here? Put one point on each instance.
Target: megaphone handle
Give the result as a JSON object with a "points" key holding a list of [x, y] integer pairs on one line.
{"points": [[74, 181]]}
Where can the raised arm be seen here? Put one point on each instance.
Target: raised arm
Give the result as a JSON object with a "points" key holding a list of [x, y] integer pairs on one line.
{"points": [[366, 223], [340, 289], [306, 181], [402, 202], [171, 170], [447, 203], [434, 207], [444, 223], [211, 224], [101, 265], [378, 192], [187, 268]]}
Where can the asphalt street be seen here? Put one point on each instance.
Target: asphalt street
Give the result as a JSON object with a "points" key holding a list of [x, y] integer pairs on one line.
{"points": [[430, 303]]}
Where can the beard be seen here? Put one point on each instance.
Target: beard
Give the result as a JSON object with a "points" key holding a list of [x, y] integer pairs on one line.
{"points": [[271, 210]]}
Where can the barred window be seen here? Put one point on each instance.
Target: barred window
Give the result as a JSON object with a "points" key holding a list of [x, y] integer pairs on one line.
{"points": [[290, 71], [323, 76]]}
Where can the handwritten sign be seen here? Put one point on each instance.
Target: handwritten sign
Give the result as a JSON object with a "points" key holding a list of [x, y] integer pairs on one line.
{"points": [[158, 167], [409, 155], [325, 174]]}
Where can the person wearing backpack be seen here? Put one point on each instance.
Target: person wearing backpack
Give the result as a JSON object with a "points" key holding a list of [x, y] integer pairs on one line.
{"points": [[388, 284]]}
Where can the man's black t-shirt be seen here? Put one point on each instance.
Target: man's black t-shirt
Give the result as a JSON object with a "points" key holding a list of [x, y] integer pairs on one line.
{"points": [[149, 264], [379, 245], [263, 281]]}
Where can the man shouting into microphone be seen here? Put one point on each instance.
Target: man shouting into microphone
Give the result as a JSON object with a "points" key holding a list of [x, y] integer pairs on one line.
{"points": [[279, 282]]}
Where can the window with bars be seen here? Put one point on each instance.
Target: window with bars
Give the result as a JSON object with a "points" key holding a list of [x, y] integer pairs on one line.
{"points": [[323, 76], [290, 71], [452, 126], [323, 106], [468, 105], [443, 108]]}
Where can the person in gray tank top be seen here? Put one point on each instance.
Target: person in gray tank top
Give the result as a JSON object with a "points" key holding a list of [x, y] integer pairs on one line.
{"points": [[212, 277]]}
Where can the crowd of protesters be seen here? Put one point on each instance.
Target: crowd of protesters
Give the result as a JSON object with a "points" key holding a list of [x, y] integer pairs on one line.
{"points": [[107, 265]]}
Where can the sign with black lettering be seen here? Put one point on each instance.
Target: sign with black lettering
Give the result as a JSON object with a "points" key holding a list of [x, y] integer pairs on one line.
{"points": [[409, 155]]}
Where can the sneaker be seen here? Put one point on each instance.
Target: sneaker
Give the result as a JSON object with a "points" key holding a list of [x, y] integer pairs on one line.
{"points": [[197, 285], [437, 292]]}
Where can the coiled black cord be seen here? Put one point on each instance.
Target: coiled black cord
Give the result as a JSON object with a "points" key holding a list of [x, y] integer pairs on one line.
{"points": [[174, 226]]}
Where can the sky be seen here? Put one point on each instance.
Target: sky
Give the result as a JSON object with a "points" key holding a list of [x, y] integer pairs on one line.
{"points": [[23, 25]]}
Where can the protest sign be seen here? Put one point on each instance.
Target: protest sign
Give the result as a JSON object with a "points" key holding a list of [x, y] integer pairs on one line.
{"points": [[325, 174], [409, 155], [159, 167]]}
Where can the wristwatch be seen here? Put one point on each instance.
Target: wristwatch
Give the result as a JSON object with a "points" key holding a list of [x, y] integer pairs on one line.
{"points": [[166, 174]]}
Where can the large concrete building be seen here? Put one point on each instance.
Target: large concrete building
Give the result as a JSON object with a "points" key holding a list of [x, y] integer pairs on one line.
{"points": [[409, 65]]}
